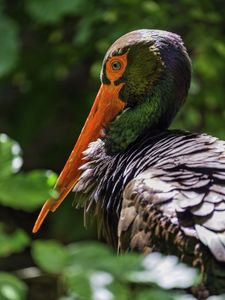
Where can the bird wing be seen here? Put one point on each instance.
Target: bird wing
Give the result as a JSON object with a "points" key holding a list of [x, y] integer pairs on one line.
{"points": [[168, 188], [170, 206]]}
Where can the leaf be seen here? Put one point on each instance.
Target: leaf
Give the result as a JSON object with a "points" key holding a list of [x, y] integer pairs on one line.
{"points": [[120, 290], [9, 42], [93, 271], [121, 266], [10, 156], [50, 256], [11, 288], [67, 298], [88, 272], [183, 296], [26, 191], [51, 11], [104, 286], [13, 242], [165, 271], [94, 285], [88, 256], [78, 284], [154, 294]]}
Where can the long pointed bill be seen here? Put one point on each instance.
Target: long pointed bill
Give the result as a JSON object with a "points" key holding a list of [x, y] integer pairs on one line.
{"points": [[106, 107]]}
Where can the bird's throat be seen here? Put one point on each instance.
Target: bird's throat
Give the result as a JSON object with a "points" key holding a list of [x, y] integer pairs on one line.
{"points": [[155, 112], [130, 124]]}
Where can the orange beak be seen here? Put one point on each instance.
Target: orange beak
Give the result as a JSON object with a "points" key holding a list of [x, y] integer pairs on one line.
{"points": [[106, 107]]}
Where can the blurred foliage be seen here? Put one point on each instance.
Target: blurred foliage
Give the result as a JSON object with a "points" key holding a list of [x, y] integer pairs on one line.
{"points": [[12, 288], [92, 271], [50, 58], [24, 190], [12, 242]]}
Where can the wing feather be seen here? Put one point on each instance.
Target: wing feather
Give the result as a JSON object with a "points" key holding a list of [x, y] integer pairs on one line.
{"points": [[197, 211]]}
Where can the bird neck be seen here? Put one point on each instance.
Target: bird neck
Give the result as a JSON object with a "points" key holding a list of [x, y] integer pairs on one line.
{"points": [[155, 112]]}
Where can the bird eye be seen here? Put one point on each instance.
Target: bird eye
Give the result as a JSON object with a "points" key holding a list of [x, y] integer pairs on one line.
{"points": [[116, 65]]}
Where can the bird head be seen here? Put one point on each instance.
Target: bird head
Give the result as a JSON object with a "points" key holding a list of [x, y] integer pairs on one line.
{"points": [[145, 79]]}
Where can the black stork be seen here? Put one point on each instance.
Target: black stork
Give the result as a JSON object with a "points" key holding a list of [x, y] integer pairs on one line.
{"points": [[150, 188]]}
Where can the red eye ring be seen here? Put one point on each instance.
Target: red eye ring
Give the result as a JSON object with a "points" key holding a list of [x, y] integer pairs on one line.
{"points": [[116, 65]]}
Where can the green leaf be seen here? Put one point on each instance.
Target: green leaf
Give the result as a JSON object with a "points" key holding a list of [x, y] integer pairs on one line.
{"points": [[155, 294], [67, 298], [121, 266], [88, 272], [9, 42], [11, 288], [78, 285], [104, 284], [26, 191], [119, 290], [13, 242], [51, 11], [50, 256], [10, 156], [89, 256], [96, 256], [86, 284]]}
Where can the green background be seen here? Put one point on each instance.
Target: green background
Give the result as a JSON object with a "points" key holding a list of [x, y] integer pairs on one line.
{"points": [[50, 58]]}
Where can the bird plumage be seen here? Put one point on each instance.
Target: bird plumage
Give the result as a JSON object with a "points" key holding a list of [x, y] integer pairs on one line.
{"points": [[156, 82], [150, 188], [165, 193]]}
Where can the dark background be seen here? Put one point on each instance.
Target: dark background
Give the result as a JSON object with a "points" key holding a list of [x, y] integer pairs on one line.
{"points": [[50, 58]]}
